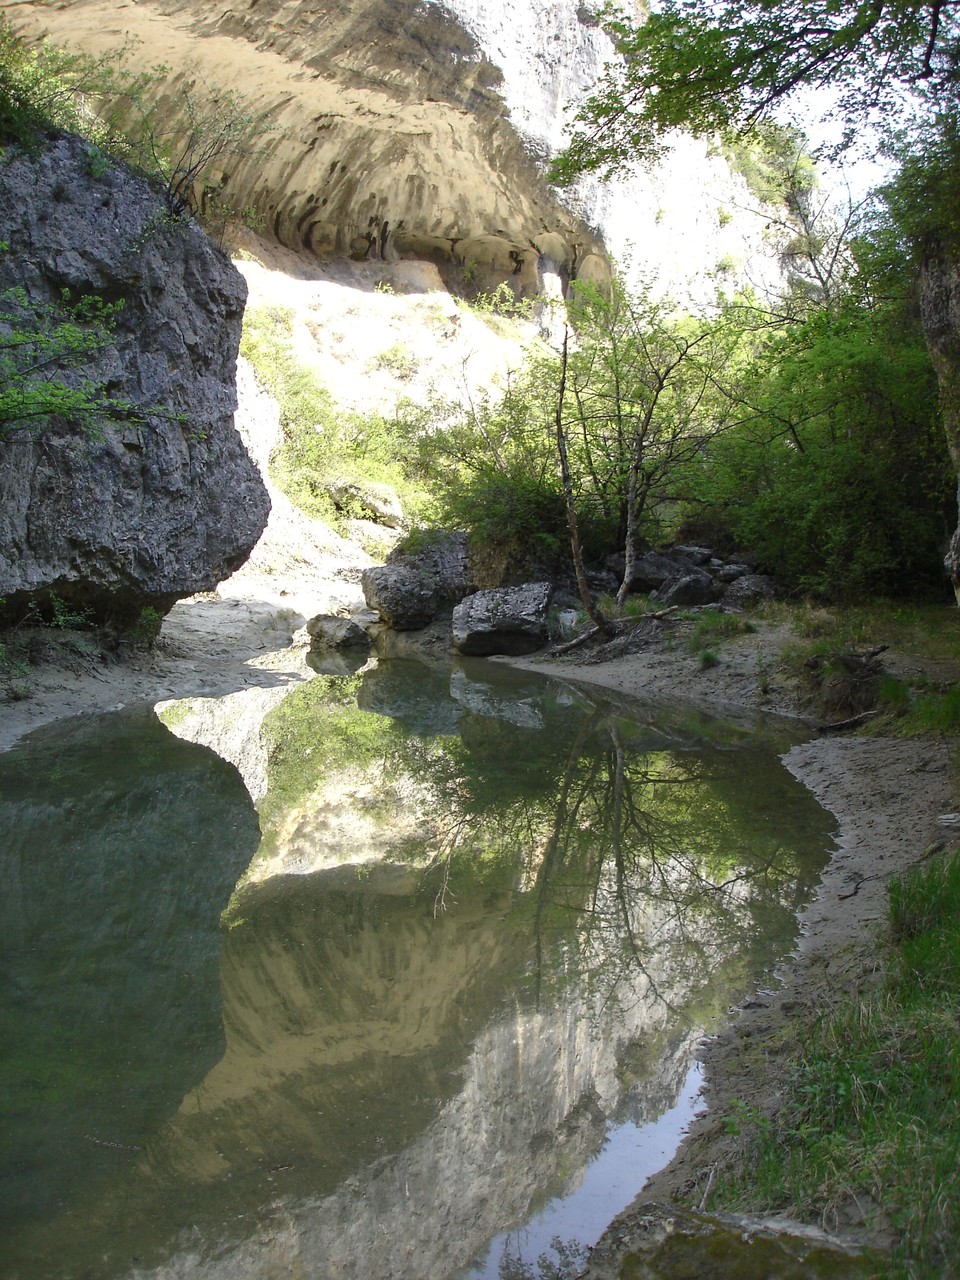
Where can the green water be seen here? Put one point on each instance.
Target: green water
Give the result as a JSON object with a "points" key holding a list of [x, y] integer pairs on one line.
{"points": [[486, 921]]}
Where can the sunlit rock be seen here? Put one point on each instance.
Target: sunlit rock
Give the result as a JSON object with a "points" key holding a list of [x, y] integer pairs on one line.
{"points": [[509, 620]]}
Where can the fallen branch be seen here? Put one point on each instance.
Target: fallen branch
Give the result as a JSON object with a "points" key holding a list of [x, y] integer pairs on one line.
{"points": [[575, 643], [837, 726], [613, 630]]}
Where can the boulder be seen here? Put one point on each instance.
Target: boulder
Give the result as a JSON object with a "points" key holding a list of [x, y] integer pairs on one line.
{"points": [[410, 589], [731, 572], [404, 598], [510, 620], [367, 500], [692, 588], [748, 589], [651, 569], [653, 1241], [698, 555], [116, 517], [327, 631]]}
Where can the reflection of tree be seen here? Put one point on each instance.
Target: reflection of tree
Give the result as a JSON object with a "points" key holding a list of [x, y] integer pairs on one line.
{"points": [[632, 862], [628, 853], [564, 1262], [655, 865]]}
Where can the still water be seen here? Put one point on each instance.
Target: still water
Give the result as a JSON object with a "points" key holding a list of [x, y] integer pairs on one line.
{"points": [[431, 1004]]}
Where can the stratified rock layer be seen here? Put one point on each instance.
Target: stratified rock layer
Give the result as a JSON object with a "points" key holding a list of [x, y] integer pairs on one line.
{"points": [[113, 518], [390, 138]]}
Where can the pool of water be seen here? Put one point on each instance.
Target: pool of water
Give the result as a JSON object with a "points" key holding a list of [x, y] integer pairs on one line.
{"points": [[431, 1004]]}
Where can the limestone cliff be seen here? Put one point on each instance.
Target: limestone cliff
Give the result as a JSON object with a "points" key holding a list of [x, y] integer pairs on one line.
{"points": [[420, 130], [125, 516]]}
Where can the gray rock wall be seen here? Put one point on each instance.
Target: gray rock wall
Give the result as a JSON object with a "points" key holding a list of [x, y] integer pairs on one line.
{"points": [[130, 515]]}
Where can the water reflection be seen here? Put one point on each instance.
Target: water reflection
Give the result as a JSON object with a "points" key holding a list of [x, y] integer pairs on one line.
{"points": [[119, 848], [488, 916]]}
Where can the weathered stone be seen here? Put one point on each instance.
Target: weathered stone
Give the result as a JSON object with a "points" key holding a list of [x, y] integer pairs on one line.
{"points": [[328, 631], [408, 591], [654, 568], [367, 500], [511, 620], [699, 555], [652, 1241], [124, 517], [401, 595], [731, 572], [749, 588], [692, 588]]}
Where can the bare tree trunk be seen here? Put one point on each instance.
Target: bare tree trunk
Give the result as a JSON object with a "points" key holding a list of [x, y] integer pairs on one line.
{"points": [[940, 315], [630, 535], [602, 623]]}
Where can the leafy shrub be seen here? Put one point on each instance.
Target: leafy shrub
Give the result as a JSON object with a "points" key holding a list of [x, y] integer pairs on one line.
{"points": [[838, 477]]}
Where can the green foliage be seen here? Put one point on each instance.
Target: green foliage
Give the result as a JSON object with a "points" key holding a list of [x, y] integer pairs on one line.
{"points": [[871, 1105], [772, 159], [143, 634], [42, 347], [923, 199], [837, 475], [732, 64], [710, 628], [397, 360], [490, 467], [182, 142], [191, 138], [44, 88], [501, 301]]}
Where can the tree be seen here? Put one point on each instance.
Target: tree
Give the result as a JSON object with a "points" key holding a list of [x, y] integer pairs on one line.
{"points": [[837, 475], [730, 64], [642, 401]]}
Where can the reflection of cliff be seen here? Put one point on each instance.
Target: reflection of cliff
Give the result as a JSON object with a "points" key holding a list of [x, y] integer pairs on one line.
{"points": [[387, 1087], [401, 1082], [119, 847]]}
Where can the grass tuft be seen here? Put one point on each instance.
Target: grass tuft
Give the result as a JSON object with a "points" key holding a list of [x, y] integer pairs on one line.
{"points": [[871, 1104]]}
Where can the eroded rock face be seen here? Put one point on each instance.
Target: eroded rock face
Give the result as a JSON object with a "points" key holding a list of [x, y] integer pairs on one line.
{"points": [[419, 130], [390, 133], [128, 516]]}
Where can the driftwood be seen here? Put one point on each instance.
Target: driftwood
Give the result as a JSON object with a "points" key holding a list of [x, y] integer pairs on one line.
{"points": [[837, 726], [618, 628]]}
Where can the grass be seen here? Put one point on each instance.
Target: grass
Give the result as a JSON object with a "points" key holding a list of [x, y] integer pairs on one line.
{"points": [[710, 628], [828, 638], [871, 1102], [926, 630]]}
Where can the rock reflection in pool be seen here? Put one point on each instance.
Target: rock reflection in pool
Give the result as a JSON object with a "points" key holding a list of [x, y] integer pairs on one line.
{"points": [[487, 915], [119, 848]]}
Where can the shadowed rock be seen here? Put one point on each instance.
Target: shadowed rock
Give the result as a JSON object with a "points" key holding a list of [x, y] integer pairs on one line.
{"points": [[115, 517]]}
